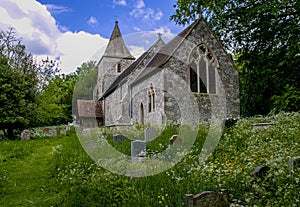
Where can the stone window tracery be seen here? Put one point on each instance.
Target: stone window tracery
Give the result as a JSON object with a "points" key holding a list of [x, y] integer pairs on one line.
{"points": [[202, 70]]}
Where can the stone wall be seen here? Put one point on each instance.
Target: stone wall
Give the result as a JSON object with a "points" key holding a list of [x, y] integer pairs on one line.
{"points": [[140, 96], [225, 103]]}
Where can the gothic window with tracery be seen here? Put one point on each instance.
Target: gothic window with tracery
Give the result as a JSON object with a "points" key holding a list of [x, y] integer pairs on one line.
{"points": [[202, 70]]}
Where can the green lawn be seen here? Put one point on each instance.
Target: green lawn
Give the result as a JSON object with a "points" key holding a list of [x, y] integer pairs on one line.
{"points": [[26, 170]]}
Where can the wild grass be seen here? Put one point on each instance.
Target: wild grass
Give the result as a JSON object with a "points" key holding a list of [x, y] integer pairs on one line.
{"points": [[74, 179]]}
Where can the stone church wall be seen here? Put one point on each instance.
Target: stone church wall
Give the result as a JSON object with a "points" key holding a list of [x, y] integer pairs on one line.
{"points": [[211, 106], [140, 96]]}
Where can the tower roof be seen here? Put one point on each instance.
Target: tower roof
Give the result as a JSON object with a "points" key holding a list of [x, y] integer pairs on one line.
{"points": [[116, 46]]}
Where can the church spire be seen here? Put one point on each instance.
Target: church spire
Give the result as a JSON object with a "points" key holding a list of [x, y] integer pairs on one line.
{"points": [[116, 46]]}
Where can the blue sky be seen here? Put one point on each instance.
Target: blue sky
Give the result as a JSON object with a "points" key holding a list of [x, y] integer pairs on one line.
{"points": [[75, 31]]}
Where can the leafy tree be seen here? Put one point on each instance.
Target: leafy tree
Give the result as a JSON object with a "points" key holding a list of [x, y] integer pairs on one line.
{"points": [[86, 81], [18, 85], [55, 102], [265, 34]]}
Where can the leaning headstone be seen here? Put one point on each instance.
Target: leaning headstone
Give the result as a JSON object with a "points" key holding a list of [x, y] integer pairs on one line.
{"points": [[149, 134], [138, 150], [260, 171], [294, 163], [120, 138], [25, 134], [53, 132]]}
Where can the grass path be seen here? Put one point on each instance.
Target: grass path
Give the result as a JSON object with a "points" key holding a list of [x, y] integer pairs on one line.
{"points": [[28, 177]]}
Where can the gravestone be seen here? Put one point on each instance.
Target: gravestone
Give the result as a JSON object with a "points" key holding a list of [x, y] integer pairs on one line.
{"points": [[149, 134], [53, 132], [120, 138], [138, 149], [25, 134], [63, 132], [46, 130], [294, 163], [208, 199], [260, 171]]}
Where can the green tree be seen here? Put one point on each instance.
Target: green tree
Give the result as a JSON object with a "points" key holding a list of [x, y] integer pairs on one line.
{"points": [[265, 34], [86, 81], [18, 86], [55, 102]]}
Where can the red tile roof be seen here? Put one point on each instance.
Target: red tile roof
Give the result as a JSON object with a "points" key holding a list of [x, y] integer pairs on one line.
{"points": [[89, 108]]}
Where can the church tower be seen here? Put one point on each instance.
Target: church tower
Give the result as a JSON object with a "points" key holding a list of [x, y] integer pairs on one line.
{"points": [[114, 61]]}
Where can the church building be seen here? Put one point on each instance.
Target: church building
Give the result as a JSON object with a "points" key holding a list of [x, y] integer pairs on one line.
{"points": [[168, 81]]}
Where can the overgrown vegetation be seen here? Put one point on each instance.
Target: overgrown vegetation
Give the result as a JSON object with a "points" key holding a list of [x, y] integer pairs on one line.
{"points": [[75, 180]]}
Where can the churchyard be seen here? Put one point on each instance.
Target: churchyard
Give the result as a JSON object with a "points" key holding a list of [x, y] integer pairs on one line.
{"points": [[256, 162]]}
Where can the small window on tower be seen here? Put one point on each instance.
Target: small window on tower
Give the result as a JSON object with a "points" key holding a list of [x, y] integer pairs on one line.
{"points": [[119, 68]]}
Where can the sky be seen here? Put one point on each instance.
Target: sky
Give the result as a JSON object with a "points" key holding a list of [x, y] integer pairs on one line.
{"points": [[76, 31]]}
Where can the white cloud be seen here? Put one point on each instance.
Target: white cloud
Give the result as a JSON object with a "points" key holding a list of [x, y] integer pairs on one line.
{"points": [[141, 11], [43, 37], [92, 21], [77, 48], [166, 33], [119, 2], [56, 9]]}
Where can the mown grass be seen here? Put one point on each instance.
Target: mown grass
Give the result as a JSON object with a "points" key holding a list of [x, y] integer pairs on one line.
{"points": [[58, 172]]}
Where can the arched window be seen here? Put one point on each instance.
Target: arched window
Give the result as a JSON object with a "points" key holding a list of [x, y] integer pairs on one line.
{"points": [[151, 99], [202, 70]]}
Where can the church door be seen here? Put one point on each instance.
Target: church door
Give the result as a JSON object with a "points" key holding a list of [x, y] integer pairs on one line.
{"points": [[142, 114]]}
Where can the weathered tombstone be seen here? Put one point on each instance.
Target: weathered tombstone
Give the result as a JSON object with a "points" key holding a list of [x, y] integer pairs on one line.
{"points": [[175, 139], [53, 132], [120, 138], [260, 171], [294, 163], [149, 134], [25, 134], [207, 199], [138, 149], [63, 132], [46, 130]]}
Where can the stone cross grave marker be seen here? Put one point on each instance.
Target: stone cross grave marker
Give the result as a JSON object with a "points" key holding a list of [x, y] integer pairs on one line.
{"points": [[53, 132], [149, 134], [138, 149], [25, 135], [119, 138]]}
